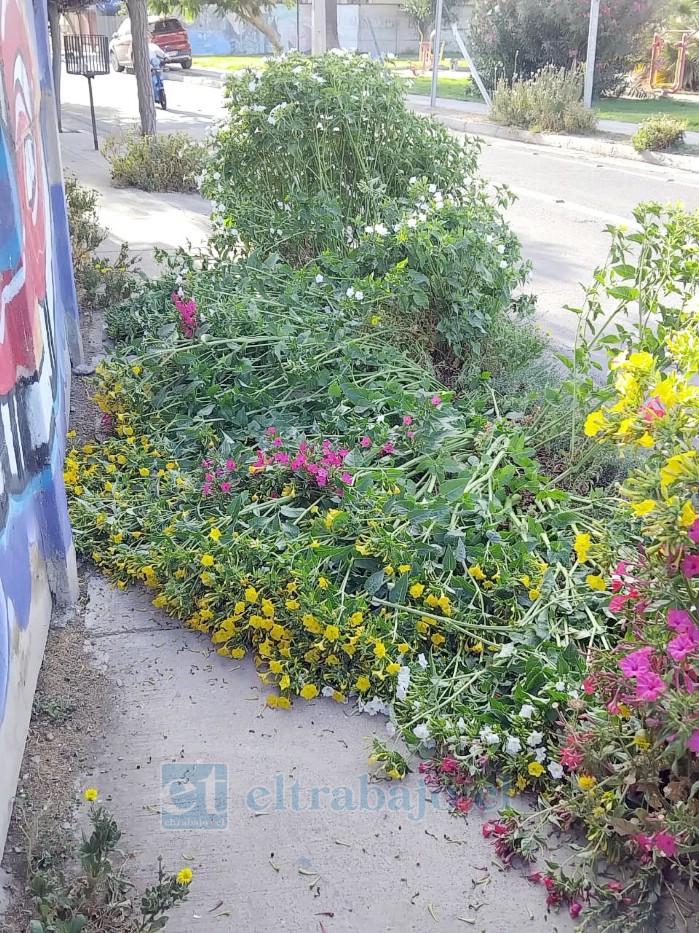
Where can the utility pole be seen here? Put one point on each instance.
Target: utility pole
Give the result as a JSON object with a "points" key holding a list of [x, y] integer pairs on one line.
{"points": [[318, 27], [435, 56], [591, 53]]}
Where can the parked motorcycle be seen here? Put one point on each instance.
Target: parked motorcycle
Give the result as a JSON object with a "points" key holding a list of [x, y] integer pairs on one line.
{"points": [[158, 86]]}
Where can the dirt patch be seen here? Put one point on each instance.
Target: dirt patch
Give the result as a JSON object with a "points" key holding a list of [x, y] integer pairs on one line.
{"points": [[71, 708]]}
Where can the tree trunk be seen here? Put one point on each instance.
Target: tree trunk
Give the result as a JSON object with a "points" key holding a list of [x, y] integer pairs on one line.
{"points": [[55, 28], [332, 40], [138, 12], [259, 22]]}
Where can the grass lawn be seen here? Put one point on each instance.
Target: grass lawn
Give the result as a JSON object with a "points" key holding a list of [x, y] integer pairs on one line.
{"points": [[633, 111], [461, 88], [227, 62]]}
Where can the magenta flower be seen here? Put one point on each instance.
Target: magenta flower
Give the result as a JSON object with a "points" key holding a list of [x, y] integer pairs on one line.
{"points": [[665, 843], [575, 909], [365, 441], [411, 434], [638, 662], [693, 742], [690, 565], [225, 487], [347, 479], [694, 532], [681, 646], [679, 620], [407, 419], [206, 490], [388, 448], [322, 477], [645, 842], [230, 465], [654, 409], [436, 400], [271, 431], [649, 686]]}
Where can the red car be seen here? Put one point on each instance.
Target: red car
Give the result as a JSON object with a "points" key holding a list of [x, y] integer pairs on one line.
{"points": [[166, 32]]}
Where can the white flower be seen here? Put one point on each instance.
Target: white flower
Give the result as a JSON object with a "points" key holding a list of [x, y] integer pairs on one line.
{"points": [[461, 725], [526, 711], [252, 86], [350, 292], [489, 238], [391, 727], [412, 180], [298, 69], [560, 685], [216, 176], [234, 232], [422, 661], [327, 691], [501, 248], [503, 264], [403, 683], [381, 229], [411, 222], [536, 738], [359, 295], [422, 731], [541, 755], [555, 770], [513, 745], [319, 279], [432, 189]]}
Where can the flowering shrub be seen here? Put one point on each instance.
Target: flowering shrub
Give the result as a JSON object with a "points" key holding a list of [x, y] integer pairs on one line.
{"points": [[549, 101], [659, 132], [518, 37]]}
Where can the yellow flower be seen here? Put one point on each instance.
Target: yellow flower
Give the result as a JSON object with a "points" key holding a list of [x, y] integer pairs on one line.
{"points": [[624, 711], [375, 320], [91, 794], [416, 590], [431, 601], [388, 570], [323, 583], [595, 582], [521, 782], [315, 543], [641, 742], [309, 691], [582, 546], [332, 632], [675, 468], [688, 516], [594, 423], [292, 604], [645, 440], [394, 773], [144, 471], [215, 534], [363, 683], [363, 547], [338, 696], [238, 653], [666, 392], [392, 668], [184, 876], [643, 508], [403, 568], [207, 560], [403, 647], [444, 603], [380, 649], [356, 618], [534, 594], [206, 578], [477, 572], [251, 594], [477, 648], [535, 768], [283, 703], [640, 361], [330, 517], [268, 608], [438, 639], [586, 781], [272, 701], [288, 491]]}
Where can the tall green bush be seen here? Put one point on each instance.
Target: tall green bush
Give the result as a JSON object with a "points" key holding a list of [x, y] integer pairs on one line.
{"points": [[550, 101], [518, 37]]}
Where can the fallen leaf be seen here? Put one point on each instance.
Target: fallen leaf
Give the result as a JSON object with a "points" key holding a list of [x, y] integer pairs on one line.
{"points": [[275, 867], [431, 912], [307, 871], [215, 907]]}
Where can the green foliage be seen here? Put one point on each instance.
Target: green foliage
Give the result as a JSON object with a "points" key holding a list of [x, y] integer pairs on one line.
{"points": [[550, 101], [99, 282], [519, 37], [658, 133], [99, 891], [167, 162], [314, 147]]}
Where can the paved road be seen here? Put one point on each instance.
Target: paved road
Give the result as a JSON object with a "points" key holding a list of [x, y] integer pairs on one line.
{"points": [[564, 200]]}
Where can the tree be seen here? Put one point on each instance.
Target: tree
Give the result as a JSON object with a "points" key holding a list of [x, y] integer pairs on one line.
{"points": [[249, 10], [56, 8], [138, 13], [421, 14]]}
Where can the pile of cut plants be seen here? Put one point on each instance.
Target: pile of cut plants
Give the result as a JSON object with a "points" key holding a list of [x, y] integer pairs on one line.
{"points": [[309, 454]]}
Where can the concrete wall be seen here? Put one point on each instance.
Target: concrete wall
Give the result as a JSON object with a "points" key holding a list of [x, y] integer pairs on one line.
{"points": [[38, 318]]}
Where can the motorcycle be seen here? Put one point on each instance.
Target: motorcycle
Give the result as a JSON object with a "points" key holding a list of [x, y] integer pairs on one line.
{"points": [[158, 86]]}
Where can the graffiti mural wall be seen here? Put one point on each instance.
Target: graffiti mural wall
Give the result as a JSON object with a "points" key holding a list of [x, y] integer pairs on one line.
{"points": [[38, 315]]}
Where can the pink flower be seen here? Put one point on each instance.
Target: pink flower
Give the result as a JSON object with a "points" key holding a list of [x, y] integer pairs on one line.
{"points": [[638, 662], [322, 477], [694, 532], [654, 409], [464, 804], [388, 448], [575, 909], [407, 419], [346, 479], [693, 742], [680, 647], [436, 400], [690, 565], [277, 442], [679, 620], [206, 490], [230, 465], [649, 686], [411, 434], [450, 766], [271, 431], [665, 843], [645, 842], [365, 442], [282, 458], [589, 685], [225, 487], [571, 758]]}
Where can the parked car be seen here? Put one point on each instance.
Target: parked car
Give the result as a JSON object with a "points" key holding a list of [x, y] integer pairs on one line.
{"points": [[166, 32]]}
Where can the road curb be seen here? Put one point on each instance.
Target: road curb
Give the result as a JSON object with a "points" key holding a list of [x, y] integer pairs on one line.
{"points": [[593, 146], [481, 127]]}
